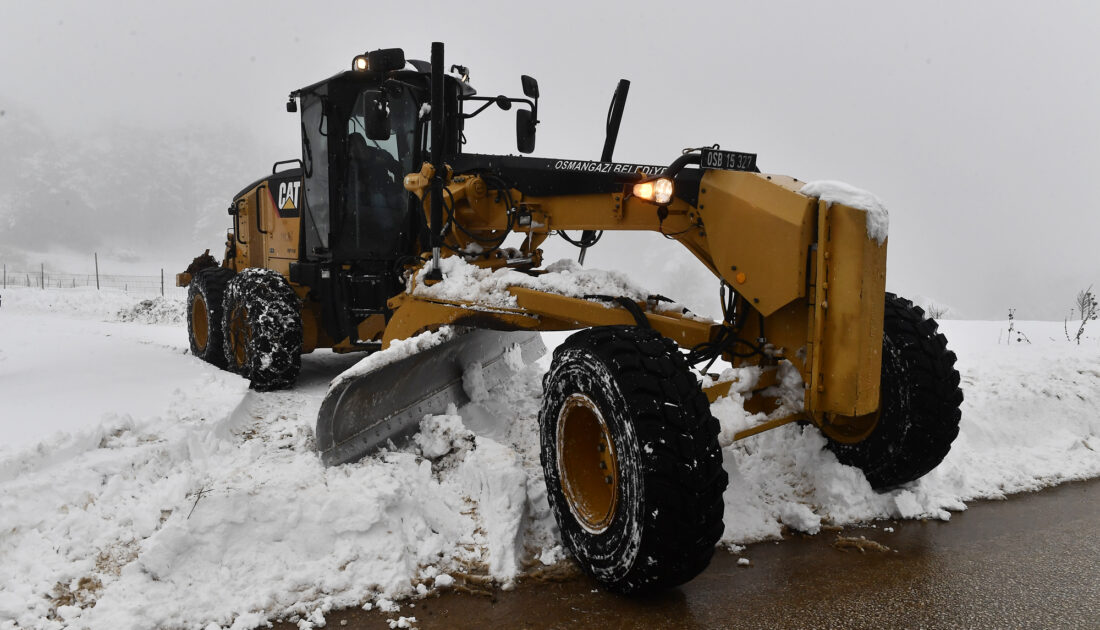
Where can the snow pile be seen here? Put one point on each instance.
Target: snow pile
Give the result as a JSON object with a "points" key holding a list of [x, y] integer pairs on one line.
{"points": [[878, 219], [221, 512], [217, 509], [1030, 419], [159, 310]]}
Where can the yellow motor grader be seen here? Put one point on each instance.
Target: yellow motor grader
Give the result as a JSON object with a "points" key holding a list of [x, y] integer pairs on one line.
{"points": [[344, 249]]}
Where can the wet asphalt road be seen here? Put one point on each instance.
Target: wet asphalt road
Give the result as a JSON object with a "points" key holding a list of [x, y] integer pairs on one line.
{"points": [[1031, 561]]}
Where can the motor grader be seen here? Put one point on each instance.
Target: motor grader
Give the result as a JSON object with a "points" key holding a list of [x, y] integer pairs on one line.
{"points": [[342, 250]]}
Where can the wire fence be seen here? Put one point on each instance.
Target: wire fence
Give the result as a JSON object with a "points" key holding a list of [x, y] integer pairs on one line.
{"points": [[42, 278]]}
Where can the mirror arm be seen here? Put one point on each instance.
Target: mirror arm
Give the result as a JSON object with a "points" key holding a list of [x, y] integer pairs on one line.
{"points": [[477, 111], [493, 99]]}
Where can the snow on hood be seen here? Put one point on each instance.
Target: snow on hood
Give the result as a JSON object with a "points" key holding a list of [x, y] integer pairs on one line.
{"points": [[463, 281], [470, 283], [829, 191]]}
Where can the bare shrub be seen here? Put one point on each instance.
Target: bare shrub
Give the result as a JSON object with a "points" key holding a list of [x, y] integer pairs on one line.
{"points": [[1014, 332], [1085, 304]]}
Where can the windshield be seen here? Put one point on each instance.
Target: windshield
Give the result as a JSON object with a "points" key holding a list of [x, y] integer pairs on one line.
{"points": [[402, 127]]}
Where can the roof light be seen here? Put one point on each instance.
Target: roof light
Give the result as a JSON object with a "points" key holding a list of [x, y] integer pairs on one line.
{"points": [[360, 63]]}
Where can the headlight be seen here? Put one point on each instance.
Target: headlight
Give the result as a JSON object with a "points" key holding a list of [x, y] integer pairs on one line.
{"points": [[360, 63], [658, 191]]}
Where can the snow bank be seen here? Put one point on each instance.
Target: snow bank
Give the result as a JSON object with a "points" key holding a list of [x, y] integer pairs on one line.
{"points": [[878, 219], [223, 513], [90, 303], [219, 511]]}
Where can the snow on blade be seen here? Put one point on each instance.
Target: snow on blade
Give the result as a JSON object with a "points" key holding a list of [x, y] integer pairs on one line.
{"points": [[398, 350], [217, 510], [829, 191]]}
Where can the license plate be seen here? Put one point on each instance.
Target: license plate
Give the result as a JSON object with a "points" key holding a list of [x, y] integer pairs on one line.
{"points": [[729, 160]]}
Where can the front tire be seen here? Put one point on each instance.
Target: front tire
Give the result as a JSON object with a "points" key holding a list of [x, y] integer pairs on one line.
{"points": [[204, 314], [262, 329], [919, 402], [631, 459]]}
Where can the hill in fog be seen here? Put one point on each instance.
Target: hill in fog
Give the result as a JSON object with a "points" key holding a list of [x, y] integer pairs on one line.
{"points": [[126, 191]]}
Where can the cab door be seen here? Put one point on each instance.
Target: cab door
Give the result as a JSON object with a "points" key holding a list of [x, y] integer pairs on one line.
{"points": [[375, 222]]}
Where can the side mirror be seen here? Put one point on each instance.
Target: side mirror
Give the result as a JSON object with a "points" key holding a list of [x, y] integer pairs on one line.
{"points": [[525, 130], [530, 86], [377, 117]]}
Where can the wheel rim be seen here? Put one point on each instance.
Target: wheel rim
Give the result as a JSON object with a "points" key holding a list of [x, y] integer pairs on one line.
{"points": [[587, 464], [239, 334], [850, 429], [200, 322]]}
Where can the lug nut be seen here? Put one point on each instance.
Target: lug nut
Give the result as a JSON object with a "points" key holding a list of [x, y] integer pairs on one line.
{"points": [[607, 479]]}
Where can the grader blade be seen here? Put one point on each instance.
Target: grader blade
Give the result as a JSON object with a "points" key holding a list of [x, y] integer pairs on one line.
{"points": [[364, 413]]}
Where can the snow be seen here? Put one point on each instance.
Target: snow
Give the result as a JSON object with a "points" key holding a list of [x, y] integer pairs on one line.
{"points": [[466, 282], [175, 497], [829, 191], [444, 580], [398, 349]]}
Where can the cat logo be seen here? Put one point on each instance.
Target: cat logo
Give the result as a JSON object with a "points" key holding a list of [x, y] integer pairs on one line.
{"points": [[288, 195]]}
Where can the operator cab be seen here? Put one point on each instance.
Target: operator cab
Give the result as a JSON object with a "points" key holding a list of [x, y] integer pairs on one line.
{"points": [[356, 207], [363, 130]]}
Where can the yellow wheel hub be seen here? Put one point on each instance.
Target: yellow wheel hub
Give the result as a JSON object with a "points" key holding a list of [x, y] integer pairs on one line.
{"points": [[587, 464], [200, 322]]}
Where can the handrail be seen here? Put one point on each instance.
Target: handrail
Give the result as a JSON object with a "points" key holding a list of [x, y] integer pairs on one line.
{"points": [[259, 227], [237, 221]]}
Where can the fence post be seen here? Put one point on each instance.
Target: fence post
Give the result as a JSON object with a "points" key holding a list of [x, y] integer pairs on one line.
{"points": [[5, 275], [162, 282], [42, 276], [96, 271]]}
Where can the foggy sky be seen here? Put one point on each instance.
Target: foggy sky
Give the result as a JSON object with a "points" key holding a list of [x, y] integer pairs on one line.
{"points": [[977, 123]]}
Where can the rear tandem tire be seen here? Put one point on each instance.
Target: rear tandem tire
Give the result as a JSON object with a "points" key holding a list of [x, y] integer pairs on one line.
{"points": [[631, 459], [262, 329], [204, 314], [920, 399]]}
